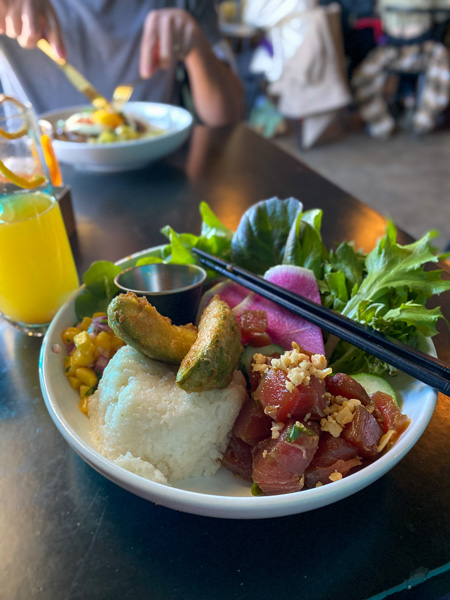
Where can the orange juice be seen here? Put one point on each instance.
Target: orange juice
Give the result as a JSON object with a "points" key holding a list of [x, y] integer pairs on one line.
{"points": [[37, 270]]}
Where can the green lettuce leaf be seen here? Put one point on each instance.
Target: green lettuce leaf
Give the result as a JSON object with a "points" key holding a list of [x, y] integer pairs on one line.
{"points": [[100, 288], [262, 234]]}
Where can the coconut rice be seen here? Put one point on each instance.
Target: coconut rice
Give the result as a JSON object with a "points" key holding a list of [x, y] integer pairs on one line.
{"points": [[141, 420]]}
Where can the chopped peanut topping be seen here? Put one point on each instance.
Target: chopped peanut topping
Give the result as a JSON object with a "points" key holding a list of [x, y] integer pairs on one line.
{"points": [[385, 439], [335, 476], [330, 426], [338, 414], [290, 386], [259, 359], [298, 366], [276, 429], [259, 367]]}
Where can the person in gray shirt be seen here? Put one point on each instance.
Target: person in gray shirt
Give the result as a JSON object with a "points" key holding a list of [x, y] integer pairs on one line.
{"points": [[116, 41]]}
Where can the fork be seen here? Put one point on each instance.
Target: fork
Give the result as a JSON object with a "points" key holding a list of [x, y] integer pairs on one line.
{"points": [[122, 94]]}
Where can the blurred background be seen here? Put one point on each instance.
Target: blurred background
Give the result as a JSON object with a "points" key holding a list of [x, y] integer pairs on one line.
{"points": [[359, 91]]}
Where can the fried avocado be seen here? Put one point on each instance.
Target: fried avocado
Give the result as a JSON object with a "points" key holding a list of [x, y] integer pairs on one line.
{"points": [[140, 325], [213, 358]]}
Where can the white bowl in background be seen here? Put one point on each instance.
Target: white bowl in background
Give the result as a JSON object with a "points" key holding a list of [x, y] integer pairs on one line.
{"points": [[131, 154]]}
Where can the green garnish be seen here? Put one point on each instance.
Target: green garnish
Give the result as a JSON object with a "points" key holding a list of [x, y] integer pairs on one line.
{"points": [[256, 490], [100, 288], [296, 431]]}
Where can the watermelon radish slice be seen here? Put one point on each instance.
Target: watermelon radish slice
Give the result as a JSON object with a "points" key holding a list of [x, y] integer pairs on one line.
{"points": [[230, 292], [283, 326], [304, 283]]}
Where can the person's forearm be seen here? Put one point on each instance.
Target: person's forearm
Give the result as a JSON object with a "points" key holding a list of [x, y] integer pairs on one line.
{"points": [[216, 91]]}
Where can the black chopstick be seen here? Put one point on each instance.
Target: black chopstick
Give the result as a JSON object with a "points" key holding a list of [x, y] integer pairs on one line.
{"points": [[416, 363]]}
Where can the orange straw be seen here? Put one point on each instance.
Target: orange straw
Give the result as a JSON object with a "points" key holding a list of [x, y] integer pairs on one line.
{"points": [[50, 159]]}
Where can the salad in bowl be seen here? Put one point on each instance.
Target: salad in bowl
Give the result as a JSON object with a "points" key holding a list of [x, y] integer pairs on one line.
{"points": [[98, 140], [249, 412], [103, 126]]}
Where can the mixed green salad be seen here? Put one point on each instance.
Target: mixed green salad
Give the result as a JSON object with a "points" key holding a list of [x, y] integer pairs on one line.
{"points": [[387, 288]]}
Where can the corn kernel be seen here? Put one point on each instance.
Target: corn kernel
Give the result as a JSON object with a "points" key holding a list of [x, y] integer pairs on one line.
{"points": [[83, 404], [82, 360], [86, 376], [69, 334], [75, 383], [98, 314], [103, 340], [85, 323]]}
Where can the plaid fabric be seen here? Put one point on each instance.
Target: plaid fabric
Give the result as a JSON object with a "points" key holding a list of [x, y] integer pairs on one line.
{"points": [[430, 58]]}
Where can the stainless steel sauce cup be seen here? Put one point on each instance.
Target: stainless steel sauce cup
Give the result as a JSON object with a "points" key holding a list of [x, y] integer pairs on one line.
{"points": [[174, 290]]}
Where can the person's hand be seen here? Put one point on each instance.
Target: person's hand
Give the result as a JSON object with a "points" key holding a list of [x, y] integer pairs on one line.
{"points": [[169, 35], [28, 21]]}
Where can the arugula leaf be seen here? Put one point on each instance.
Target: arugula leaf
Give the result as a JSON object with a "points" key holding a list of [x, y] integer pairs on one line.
{"points": [[337, 295], [347, 260], [391, 298], [349, 359], [304, 246], [344, 273], [100, 288], [415, 315], [398, 270], [261, 237]]}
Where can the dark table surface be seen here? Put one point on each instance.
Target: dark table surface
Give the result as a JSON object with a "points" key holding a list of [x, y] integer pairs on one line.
{"points": [[68, 533]]}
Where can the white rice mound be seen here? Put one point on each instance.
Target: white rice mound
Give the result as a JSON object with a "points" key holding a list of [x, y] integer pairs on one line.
{"points": [[141, 420]]}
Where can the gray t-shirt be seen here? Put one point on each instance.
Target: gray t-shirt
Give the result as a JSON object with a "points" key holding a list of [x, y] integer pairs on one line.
{"points": [[102, 39]]}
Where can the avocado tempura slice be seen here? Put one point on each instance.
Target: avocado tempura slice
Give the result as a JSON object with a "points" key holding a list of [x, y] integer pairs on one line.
{"points": [[141, 326], [214, 356]]}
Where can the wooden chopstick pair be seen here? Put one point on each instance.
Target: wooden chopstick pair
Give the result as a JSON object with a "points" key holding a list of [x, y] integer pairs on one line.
{"points": [[416, 363]]}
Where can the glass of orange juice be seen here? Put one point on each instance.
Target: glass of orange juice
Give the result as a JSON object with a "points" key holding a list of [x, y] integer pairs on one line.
{"points": [[37, 269]]}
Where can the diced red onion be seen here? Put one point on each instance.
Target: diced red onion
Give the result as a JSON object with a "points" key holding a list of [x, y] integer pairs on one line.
{"points": [[56, 348], [99, 324], [100, 364]]}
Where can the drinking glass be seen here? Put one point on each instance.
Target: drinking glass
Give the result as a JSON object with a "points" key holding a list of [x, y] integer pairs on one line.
{"points": [[37, 269]]}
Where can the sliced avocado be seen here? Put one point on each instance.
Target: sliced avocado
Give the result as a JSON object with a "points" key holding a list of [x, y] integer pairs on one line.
{"points": [[213, 358], [375, 383], [249, 351], [139, 324]]}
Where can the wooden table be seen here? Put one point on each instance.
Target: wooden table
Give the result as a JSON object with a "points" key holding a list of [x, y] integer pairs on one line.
{"points": [[68, 533]]}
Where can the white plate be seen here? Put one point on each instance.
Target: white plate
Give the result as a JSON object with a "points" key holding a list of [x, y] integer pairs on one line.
{"points": [[132, 154], [222, 495]]}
